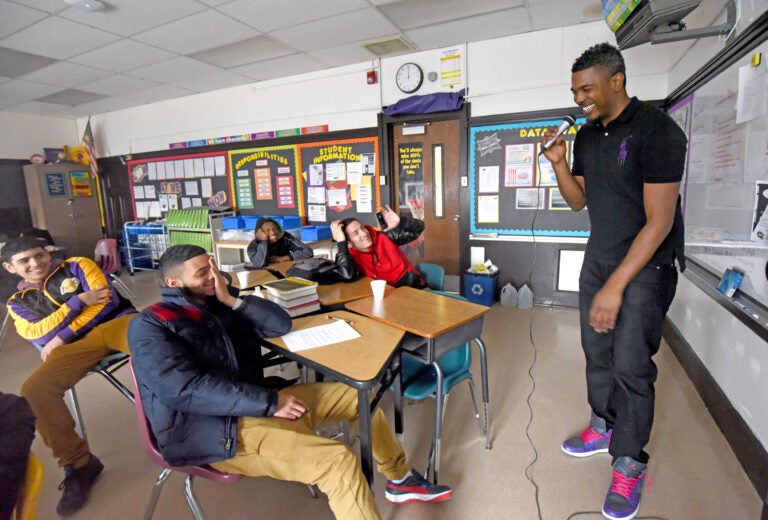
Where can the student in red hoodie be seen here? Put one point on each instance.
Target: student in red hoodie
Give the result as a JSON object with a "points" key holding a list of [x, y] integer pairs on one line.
{"points": [[376, 254]]}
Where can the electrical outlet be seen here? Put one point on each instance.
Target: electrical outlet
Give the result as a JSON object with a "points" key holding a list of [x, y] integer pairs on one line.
{"points": [[464, 181]]}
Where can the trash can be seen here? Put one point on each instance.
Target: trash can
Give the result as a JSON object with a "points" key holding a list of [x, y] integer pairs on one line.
{"points": [[481, 288]]}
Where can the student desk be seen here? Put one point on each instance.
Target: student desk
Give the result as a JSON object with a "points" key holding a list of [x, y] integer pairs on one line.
{"points": [[364, 363], [445, 323]]}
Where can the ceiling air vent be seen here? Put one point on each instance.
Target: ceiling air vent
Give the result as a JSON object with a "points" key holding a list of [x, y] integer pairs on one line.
{"points": [[389, 47]]}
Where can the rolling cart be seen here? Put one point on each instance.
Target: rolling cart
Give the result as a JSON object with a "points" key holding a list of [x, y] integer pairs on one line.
{"points": [[144, 244]]}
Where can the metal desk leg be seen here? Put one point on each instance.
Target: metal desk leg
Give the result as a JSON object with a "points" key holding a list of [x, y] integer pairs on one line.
{"points": [[398, 398], [364, 422], [486, 394]]}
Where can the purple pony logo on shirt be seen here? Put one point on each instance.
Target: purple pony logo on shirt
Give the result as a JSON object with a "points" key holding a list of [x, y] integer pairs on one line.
{"points": [[623, 151]]}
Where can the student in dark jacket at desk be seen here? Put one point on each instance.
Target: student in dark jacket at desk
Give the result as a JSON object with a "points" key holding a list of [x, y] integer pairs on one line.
{"points": [[272, 245], [207, 402], [364, 251]]}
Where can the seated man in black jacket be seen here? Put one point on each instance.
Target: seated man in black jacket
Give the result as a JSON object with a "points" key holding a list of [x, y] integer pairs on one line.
{"points": [[207, 402], [377, 254]]}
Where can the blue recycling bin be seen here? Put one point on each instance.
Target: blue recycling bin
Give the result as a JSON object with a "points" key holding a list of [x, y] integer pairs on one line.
{"points": [[481, 288]]}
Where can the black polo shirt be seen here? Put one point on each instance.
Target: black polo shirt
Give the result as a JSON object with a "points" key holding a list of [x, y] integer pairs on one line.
{"points": [[642, 145]]}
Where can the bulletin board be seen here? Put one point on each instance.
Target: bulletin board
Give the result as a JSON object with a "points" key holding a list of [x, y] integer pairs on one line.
{"points": [[340, 179], [510, 183], [171, 182], [266, 181]]}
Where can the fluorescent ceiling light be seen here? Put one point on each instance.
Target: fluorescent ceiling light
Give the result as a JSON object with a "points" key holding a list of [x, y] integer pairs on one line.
{"points": [[86, 5]]}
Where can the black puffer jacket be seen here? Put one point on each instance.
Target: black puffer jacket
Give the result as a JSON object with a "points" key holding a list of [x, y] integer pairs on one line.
{"points": [[198, 371]]}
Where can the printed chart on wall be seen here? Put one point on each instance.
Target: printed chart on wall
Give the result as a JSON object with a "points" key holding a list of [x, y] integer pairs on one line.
{"points": [[161, 184], [340, 178], [265, 180], [510, 183]]}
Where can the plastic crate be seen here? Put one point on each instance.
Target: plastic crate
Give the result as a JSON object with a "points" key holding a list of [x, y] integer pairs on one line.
{"points": [[249, 221], [233, 223], [481, 288], [314, 233]]}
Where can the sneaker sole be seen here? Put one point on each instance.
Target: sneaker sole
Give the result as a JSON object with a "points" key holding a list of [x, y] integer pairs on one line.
{"points": [[629, 517], [583, 453], [415, 497]]}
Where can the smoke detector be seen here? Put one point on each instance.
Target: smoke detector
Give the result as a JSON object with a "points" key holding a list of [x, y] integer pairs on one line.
{"points": [[86, 5]]}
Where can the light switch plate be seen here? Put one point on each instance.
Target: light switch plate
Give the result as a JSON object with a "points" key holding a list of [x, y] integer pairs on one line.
{"points": [[464, 181]]}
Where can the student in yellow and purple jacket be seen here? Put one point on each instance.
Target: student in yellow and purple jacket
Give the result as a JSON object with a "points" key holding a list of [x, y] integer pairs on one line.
{"points": [[70, 311]]}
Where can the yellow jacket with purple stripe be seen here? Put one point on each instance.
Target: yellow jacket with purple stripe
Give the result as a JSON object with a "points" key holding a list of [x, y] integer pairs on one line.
{"points": [[41, 313]]}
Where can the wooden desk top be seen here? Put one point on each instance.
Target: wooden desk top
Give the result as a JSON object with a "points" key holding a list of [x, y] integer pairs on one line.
{"points": [[419, 312], [361, 359], [343, 292]]}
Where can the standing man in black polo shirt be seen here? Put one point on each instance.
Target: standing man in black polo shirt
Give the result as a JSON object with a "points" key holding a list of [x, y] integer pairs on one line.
{"points": [[627, 165]]}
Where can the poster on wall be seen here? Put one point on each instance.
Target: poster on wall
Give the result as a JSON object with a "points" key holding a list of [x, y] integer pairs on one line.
{"points": [[510, 183], [81, 184], [54, 184], [161, 184], [339, 178], [265, 180]]}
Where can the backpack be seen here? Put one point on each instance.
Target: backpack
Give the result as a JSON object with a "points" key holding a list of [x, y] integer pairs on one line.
{"points": [[320, 270]]}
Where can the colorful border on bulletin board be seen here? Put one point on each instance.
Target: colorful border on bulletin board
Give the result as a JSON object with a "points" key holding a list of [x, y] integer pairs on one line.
{"points": [[487, 148], [177, 182], [261, 174], [344, 151]]}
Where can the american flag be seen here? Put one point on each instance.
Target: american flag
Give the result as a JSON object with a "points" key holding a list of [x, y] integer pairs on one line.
{"points": [[89, 146]]}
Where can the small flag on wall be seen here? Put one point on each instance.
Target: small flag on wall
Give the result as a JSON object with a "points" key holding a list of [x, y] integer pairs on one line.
{"points": [[91, 149]]}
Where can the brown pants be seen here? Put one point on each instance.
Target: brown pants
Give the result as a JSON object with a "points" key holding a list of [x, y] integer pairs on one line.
{"points": [[290, 450], [62, 369]]}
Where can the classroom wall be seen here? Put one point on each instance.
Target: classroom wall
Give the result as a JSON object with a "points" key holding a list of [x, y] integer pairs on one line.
{"points": [[22, 135], [734, 355]]}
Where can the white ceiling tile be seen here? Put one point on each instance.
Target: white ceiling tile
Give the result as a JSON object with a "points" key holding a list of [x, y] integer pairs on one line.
{"points": [[101, 106], [546, 16], [65, 74], [49, 6], [214, 3], [343, 55], [483, 27], [205, 30], [71, 97], [420, 13], [362, 25], [244, 52], [7, 102], [24, 90], [123, 55], [57, 38], [38, 108], [279, 67], [217, 81], [269, 15], [176, 69], [15, 63], [118, 84], [159, 93], [129, 17], [3, 79], [16, 17]]}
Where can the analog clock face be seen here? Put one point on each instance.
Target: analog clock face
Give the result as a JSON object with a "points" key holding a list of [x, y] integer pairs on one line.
{"points": [[409, 77]]}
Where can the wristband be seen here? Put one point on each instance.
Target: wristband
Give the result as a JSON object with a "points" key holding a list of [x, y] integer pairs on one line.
{"points": [[239, 302]]}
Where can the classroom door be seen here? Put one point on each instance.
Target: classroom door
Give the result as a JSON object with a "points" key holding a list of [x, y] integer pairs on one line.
{"points": [[426, 176]]}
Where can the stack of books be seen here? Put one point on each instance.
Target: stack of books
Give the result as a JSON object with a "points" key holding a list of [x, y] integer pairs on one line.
{"points": [[296, 295]]}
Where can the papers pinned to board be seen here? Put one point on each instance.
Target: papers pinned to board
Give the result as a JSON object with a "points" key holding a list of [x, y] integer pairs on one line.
{"points": [[319, 336]]}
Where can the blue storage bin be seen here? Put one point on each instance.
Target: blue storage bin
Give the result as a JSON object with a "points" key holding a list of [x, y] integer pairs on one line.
{"points": [[287, 221], [249, 222], [481, 288], [314, 233], [232, 223]]}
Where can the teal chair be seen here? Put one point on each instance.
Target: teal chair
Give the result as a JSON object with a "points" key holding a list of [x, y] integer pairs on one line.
{"points": [[433, 274], [419, 381]]}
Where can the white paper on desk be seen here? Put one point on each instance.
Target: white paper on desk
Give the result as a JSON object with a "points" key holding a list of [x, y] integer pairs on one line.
{"points": [[319, 336]]}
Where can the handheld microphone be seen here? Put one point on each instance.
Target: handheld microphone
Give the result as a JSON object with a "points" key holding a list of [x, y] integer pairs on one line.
{"points": [[568, 121]]}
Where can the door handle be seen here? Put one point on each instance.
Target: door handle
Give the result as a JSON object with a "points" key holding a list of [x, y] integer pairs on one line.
{"points": [[457, 217]]}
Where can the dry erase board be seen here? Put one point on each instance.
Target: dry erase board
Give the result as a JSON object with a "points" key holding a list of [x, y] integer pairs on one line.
{"points": [[160, 184], [513, 190], [725, 189]]}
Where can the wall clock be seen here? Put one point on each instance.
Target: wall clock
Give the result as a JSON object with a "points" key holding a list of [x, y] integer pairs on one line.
{"points": [[409, 77]]}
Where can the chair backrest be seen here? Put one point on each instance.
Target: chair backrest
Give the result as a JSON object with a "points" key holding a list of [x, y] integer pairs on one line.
{"points": [[433, 274], [105, 255], [149, 443], [458, 359], [29, 497]]}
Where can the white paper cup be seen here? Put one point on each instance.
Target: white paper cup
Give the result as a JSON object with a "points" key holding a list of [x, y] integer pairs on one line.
{"points": [[242, 278], [378, 286]]}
